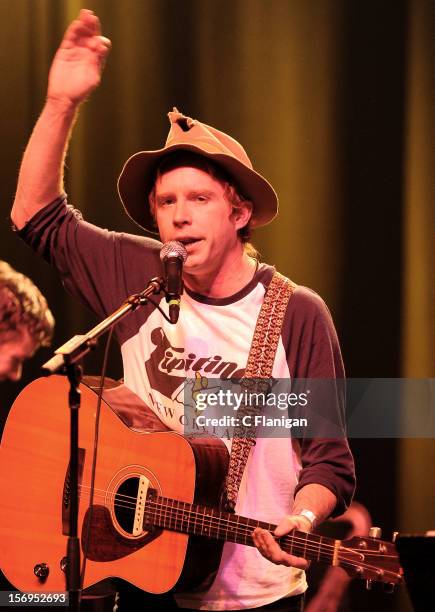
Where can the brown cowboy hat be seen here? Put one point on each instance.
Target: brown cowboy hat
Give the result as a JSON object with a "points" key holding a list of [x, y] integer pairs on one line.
{"points": [[138, 175]]}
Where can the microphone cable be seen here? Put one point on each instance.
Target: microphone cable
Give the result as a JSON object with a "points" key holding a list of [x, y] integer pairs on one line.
{"points": [[94, 454]]}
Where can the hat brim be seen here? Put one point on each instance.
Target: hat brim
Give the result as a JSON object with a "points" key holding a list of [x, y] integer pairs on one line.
{"points": [[138, 175]]}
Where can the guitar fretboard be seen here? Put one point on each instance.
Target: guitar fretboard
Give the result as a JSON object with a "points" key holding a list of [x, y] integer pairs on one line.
{"points": [[197, 519]]}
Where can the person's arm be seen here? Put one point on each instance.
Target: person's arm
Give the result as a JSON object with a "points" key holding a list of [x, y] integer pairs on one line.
{"points": [[313, 353], [74, 74], [314, 497]]}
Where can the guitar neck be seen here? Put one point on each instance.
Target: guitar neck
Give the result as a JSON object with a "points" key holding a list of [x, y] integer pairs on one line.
{"points": [[197, 519]]}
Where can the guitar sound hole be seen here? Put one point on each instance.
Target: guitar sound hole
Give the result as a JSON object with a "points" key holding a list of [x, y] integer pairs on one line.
{"points": [[125, 503]]}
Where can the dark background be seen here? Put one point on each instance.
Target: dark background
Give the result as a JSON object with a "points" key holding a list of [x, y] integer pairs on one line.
{"points": [[334, 101]]}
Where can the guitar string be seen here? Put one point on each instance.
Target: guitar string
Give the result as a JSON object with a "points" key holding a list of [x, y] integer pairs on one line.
{"points": [[217, 523], [246, 530], [305, 545], [220, 519], [301, 543], [376, 570], [288, 539], [243, 530]]}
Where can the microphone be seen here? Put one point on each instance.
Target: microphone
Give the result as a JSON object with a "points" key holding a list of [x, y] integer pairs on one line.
{"points": [[173, 255]]}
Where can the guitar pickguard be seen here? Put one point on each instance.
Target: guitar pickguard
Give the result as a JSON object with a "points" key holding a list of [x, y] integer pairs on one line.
{"points": [[105, 542]]}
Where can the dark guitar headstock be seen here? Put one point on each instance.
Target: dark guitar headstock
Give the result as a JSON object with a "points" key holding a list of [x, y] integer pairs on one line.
{"points": [[370, 558]]}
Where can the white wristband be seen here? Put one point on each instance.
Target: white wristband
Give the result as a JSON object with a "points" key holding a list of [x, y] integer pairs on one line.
{"points": [[308, 515]]}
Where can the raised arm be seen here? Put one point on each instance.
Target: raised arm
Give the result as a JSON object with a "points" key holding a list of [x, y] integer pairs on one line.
{"points": [[74, 74]]}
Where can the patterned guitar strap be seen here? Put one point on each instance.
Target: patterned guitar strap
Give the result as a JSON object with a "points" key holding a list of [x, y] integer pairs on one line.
{"points": [[257, 379]]}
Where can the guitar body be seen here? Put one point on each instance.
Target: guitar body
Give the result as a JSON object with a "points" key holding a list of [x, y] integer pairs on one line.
{"points": [[34, 503]]}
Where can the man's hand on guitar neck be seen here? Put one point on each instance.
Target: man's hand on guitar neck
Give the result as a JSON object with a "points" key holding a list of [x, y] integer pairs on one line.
{"points": [[270, 548], [320, 502]]}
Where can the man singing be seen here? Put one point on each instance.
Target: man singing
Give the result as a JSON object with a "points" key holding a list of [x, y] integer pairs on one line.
{"points": [[201, 190]]}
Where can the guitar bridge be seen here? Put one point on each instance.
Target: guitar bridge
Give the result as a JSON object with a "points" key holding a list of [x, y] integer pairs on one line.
{"points": [[141, 499]]}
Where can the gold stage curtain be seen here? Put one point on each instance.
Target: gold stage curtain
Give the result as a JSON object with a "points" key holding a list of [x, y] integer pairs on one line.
{"points": [[417, 457]]}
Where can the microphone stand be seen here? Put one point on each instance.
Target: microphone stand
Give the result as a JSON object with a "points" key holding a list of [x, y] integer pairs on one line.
{"points": [[67, 361]]}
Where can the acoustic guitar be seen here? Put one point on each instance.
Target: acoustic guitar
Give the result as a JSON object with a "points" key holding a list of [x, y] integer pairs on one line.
{"points": [[155, 504]]}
